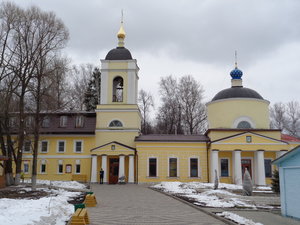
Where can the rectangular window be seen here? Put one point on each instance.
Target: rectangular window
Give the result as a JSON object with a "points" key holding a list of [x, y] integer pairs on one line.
{"points": [[248, 139], [60, 166], [224, 168], [63, 121], [194, 167], [26, 167], [43, 166], [29, 121], [172, 167], [79, 121], [152, 167], [268, 167], [27, 146], [44, 146], [61, 146], [78, 146], [12, 121], [46, 122]]}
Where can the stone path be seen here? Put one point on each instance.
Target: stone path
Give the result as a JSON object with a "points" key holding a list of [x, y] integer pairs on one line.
{"points": [[135, 204]]}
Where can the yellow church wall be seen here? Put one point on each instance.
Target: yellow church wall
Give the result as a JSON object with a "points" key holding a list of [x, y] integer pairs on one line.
{"points": [[69, 156], [162, 151], [128, 119], [124, 137], [223, 113]]}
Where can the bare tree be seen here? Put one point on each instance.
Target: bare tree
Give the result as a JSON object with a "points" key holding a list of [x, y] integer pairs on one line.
{"points": [[191, 102], [286, 117], [145, 102]]}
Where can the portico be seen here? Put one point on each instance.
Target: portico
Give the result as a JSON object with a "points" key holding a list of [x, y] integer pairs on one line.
{"points": [[117, 160]]}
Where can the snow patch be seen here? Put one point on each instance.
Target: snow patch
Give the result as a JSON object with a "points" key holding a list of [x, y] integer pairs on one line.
{"points": [[238, 219]]}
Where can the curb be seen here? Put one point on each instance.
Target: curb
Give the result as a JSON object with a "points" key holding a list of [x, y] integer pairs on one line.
{"points": [[195, 207]]}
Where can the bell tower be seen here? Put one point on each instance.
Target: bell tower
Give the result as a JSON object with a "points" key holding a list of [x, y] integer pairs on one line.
{"points": [[118, 115]]}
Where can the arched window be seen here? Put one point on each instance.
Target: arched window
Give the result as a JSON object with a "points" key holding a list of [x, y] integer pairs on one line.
{"points": [[244, 125], [118, 89], [115, 123]]}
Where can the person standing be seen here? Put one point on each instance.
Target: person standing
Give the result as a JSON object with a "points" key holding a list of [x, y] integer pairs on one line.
{"points": [[101, 175]]}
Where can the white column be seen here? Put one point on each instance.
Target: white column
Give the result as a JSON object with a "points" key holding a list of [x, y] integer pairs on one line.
{"points": [[104, 167], [280, 153], [121, 166], [131, 169], [261, 176], [94, 169], [237, 163], [214, 165]]}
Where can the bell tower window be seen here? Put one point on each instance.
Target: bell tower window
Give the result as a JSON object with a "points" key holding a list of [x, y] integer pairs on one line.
{"points": [[115, 123], [118, 89]]}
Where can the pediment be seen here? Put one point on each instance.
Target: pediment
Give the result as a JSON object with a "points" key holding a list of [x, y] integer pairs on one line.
{"points": [[113, 148]]}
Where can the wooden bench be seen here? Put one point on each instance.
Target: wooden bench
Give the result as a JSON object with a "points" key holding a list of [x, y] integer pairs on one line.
{"points": [[80, 217], [90, 200], [79, 177]]}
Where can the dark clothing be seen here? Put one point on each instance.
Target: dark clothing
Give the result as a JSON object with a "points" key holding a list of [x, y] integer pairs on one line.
{"points": [[101, 176]]}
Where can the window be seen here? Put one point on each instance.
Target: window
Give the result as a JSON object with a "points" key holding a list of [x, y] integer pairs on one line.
{"points": [[224, 168], [12, 121], [194, 167], [43, 166], [78, 146], [248, 139], [172, 167], [29, 121], [63, 121], [115, 123], [27, 146], [152, 167], [118, 89], [77, 166], [244, 125], [61, 146], [79, 121], [268, 167], [46, 122], [44, 146], [60, 168], [68, 168], [26, 167]]}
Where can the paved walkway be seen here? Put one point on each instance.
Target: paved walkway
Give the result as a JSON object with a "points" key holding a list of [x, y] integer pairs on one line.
{"points": [[135, 204]]}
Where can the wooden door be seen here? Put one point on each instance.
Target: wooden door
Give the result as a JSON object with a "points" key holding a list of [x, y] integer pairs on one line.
{"points": [[113, 170], [246, 163]]}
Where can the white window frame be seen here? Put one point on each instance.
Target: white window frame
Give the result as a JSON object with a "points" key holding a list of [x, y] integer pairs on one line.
{"points": [[63, 121], [77, 162], [79, 121], [60, 162], [46, 122], [27, 163], [57, 146], [177, 166], [41, 146], [43, 162], [148, 166], [229, 166], [74, 146], [189, 165], [24, 147]]}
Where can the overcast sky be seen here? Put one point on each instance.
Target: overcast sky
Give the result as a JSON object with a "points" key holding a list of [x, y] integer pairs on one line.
{"points": [[196, 37]]}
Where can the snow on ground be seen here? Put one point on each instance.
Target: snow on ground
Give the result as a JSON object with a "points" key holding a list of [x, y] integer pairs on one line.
{"points": [[53, 209], [61, 184], [204, 195], [238, 219]]}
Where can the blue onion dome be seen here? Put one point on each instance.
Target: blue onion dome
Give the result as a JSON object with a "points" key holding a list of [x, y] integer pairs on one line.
{"points": [[236, 73]]}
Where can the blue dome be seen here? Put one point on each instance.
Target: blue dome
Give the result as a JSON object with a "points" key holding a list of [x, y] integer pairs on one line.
{"points": [[236, 73]]}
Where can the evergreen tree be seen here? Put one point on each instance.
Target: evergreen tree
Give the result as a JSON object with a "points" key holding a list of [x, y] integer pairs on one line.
{"points": [[92, 93], [275, 182]]}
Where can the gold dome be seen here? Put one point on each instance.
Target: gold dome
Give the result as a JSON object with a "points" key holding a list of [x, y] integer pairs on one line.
{"points": [[121, 33]]}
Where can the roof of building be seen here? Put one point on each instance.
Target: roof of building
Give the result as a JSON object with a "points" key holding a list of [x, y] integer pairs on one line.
{"points": [[172, 138], [289, 138], [118, 53], [237, 92], [287, 155]]}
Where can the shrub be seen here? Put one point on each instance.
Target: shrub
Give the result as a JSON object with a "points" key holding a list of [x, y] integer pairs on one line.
{"points": [[275, 182]]}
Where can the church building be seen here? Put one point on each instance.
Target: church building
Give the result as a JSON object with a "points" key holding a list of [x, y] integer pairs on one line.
{"points": [[77, 145]]}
